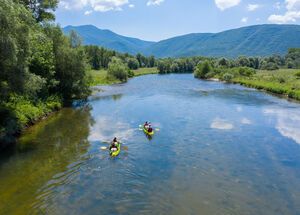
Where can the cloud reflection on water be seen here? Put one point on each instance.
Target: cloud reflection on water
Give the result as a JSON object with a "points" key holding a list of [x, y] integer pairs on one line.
{"points": [[287, 122], [246, 121], [106, 128], [221, 124]]}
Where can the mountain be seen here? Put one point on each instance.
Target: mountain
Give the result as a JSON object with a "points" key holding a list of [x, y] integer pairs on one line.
{"points": [[92, 35], [259, 40]]}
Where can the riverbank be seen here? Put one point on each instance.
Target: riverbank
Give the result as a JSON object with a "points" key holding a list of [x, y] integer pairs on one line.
{"points": [[285, 82], [20, 113], [281, 82], [99, 77], [26, 113]]}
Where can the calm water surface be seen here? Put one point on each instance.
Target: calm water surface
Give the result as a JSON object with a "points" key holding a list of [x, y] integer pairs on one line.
{"points": [[221, 149]]}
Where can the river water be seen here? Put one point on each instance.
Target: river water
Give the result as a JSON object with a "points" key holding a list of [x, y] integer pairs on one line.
{"points": [[220, 149]]}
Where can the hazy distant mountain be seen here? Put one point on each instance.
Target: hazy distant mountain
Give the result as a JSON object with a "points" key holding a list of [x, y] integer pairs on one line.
{"points": [[92, 35], [259, 40]]}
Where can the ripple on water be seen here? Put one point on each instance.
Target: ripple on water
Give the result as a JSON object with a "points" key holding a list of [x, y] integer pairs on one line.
{"points": [[221, 149]]}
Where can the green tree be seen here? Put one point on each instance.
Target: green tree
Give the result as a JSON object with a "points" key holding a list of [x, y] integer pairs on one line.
{"points": [[132, 63], [117, 69], [202, 69], [223, 62], [41, 9], [70, 66], [293, 58], [151, 61], [243, 61], [14, 47], [42, 64], [94, 56]]}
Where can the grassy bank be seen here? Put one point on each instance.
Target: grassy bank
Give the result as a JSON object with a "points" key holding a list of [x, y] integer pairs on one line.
{"points": [[20, 112], [283, 82], [145, 71], [99, 77]]}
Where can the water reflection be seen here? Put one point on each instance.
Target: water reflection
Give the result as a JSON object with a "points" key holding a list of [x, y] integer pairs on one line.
{"points": [[221, 149], [56, 145], [221, 124], [246, 121], [106, 128], [287, 121], [100, 96]]}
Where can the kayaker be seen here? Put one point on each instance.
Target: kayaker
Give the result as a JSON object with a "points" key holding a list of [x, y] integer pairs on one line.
{"points": [[150, 129], [146, 125], [114, 145]]}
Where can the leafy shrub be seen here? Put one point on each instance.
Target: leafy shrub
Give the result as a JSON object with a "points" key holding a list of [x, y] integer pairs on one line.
{"points": [[227, 77], [210, 74], [270, 66], [246, 71], [130, 73], [117, 69], [27, 111], [202, 69], [281, 80]]}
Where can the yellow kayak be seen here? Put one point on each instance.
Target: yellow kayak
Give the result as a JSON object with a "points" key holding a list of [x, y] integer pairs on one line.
{"points": [[149, 133], [116, 153]]}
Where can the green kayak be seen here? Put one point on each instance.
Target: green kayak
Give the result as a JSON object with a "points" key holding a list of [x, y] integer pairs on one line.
{"points": [[117, 152]]}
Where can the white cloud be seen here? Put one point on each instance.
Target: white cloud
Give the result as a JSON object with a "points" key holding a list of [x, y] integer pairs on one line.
{"points": [[73, 4], [293, 5], [225, 4], [244, 20], [154, 2], [277, 5], [221, 124], [88, 12], [96, 5], [291, 15], [253, 7], [131, 6]]}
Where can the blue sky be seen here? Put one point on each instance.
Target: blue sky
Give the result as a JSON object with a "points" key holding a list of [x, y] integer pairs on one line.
{"points": [[160, 19]]}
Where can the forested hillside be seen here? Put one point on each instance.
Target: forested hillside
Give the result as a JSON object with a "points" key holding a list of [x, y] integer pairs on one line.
{"points": [[259, 40]]}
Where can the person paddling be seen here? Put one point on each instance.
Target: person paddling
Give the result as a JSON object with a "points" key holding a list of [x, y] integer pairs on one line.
{"points": [[150, 129], [114, 145]]}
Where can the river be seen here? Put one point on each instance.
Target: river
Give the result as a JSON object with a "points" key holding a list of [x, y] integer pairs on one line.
{"points": [[220, 149]]}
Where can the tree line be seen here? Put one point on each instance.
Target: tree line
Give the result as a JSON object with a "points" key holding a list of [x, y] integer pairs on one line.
{"points": [[245, 66], [118, 65], [274, 62], [40, 68]]}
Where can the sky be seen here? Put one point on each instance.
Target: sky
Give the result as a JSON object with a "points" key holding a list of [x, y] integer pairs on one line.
{"points": [[156, 20]]}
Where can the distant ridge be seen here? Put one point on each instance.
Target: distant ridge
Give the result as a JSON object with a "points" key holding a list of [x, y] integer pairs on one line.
{"points": [[258, 40], [94, 36]]}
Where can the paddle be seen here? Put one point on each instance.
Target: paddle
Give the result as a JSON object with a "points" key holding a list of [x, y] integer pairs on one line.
{"points": [[107, 148], [141, 129]]}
